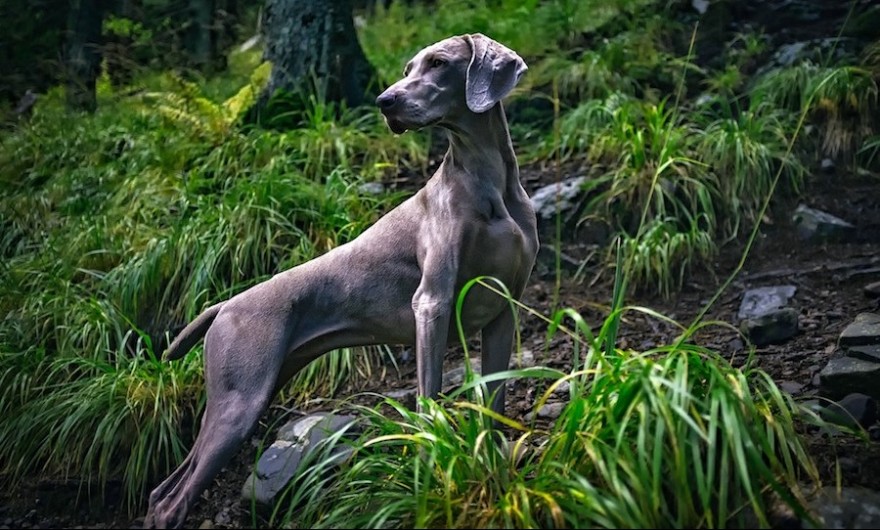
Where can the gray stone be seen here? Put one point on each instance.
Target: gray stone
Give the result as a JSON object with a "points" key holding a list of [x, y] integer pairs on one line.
{"points": [[455, 377], [870, 352], [872, 290], [563, 389], [864, 330], [372, 188], [852, 507], [762, 300], [855, 409], [550, 411], [522, 359], [223, 518], [791, 387], [700, 5], [773, 327], [816, 225], [789, 53], [404, 395], [814, 50], [846, 375], [280, 462], [557, 198]]}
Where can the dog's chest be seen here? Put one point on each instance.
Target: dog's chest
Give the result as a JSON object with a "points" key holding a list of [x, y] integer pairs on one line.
{"points": [[496, 248]]}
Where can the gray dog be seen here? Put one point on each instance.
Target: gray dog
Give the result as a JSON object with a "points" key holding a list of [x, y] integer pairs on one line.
{"points": [[396, 283]]}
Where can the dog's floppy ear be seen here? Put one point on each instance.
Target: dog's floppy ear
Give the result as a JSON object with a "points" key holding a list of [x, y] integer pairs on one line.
{"points": [[492, 73]]}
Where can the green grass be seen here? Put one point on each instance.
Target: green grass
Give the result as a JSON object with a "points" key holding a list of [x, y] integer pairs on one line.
{"points": [[119, 226], [670, 437], [97, 420]]}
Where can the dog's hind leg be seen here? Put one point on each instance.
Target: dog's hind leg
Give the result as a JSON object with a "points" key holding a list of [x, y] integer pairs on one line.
{"points": [[240, 386]]}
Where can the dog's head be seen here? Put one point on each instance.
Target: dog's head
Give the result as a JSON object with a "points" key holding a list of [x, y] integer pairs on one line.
{"points": [[467, 73]]}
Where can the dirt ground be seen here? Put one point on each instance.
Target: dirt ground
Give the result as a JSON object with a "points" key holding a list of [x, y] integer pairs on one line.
{"points": [[830, 278]]}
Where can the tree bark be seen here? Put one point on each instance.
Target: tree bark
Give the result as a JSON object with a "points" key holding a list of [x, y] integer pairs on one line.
{"points": [[199, 34], [313, 47], [119, 61], [83, 57]]}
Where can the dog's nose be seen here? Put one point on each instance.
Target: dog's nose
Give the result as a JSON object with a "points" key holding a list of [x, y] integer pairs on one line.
{"points": [[386, 100]]}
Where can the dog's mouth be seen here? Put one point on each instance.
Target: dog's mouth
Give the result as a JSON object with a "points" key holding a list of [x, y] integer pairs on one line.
{"points": [[399, 127], [396, 126]]}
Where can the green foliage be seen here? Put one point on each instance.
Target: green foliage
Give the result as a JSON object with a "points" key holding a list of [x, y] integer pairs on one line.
{"points": [[671, 437], [553, 26], [841, 100], [117, 227], [96, 419], [746, 151], [120, 225]]}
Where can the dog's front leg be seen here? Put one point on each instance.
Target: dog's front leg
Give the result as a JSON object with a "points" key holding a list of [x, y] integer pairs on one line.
{"points": [[432, 306], [497, 345]]}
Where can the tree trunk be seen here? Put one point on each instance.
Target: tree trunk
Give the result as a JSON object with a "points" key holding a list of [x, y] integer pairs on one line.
{"points": [[119, 61], [199, 34], [313, 47], [83, 57]]}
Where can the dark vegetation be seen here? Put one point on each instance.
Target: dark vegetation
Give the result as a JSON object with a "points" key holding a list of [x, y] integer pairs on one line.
{"points": [[119, 225]]}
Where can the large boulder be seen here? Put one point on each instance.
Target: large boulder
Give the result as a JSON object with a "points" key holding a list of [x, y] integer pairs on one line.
{"points": [[296, 439]]}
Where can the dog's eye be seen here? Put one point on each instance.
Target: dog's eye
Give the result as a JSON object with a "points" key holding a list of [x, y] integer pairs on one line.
{"points": [[437, 63]]}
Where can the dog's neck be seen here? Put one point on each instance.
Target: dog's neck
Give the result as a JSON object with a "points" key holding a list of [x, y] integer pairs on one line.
{"points": [[480, 145]]}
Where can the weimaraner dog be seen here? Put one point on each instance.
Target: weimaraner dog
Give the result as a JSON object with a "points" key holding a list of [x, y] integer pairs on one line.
{"points": [[396, 283]]}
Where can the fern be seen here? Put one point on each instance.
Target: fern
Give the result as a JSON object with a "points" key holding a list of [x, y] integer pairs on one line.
{"points": [[187, 106]]}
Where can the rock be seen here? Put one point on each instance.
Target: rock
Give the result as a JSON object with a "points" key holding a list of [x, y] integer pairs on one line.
{"points": [[855, 409], [522, 359], [853, 507], [846, 375], [371, 188], [700, 5], [557, 198], [872, 290], [550, 411], [455, 377], [870, 352], [789, 53], [280, 462], [206, 524], [813, 50], [26, 103], [791, 387], [763, 300], [816, 225], [563, 389], [864, 330], [775, 326], [407, 396], [223, 518], [827, 165]]}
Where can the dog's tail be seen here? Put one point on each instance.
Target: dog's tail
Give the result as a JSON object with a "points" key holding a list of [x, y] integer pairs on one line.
{"points": [[191, 334]]}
